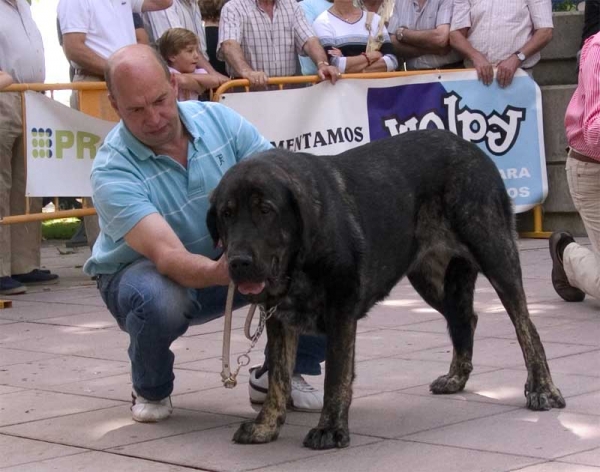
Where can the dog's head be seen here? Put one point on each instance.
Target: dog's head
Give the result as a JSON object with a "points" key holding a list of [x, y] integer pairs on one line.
{"points": [[260, 213]]}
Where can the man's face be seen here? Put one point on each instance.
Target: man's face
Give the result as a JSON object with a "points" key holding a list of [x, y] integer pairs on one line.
{"points": [[148, 107]]}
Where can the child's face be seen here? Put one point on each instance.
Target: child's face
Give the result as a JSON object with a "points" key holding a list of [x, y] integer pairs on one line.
{"points": [[186, 60]]}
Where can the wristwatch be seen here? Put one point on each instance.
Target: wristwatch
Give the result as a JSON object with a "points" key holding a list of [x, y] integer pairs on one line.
{"points": [[520, 56], [400, 34]]}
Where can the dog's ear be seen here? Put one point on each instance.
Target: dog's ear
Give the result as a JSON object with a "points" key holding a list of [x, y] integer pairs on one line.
{"points": [[307, 206], [211, 221]]}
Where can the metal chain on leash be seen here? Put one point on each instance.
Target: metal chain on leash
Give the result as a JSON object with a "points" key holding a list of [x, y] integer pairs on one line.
{"points": [[230, 378]]}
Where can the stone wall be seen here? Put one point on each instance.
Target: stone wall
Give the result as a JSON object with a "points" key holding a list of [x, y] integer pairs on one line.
{"points": [[556, 74]]}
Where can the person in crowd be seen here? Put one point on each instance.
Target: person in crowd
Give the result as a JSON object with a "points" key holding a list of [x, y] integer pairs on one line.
{"points": [[591, 23], [420, 32], [312, 9], [576, 268], [211, 14], [259, 39], [21, 61], [141, 36], [502, 35], [156, 266], [91, 32], [184, 14], [345, 30], [179, 48]]}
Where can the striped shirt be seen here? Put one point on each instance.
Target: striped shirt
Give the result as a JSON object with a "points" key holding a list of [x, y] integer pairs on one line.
{"points": [[582, 119], [130, 182], [269, 46], [499, 28], [351, 38], [409, 14]]}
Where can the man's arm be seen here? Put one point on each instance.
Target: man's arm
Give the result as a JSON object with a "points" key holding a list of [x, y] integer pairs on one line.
{"points": [[153, 238], [416, 43], [507, 68], [234, 56], [5, 79], [313, 49], [459, 41], [76, 51], [154, 5]]}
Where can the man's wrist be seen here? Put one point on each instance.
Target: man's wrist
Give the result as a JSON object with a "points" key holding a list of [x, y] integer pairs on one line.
{"points": [[520, 56], [400, 34], [322, 64]]}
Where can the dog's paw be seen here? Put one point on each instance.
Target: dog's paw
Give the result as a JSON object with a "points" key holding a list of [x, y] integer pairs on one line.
{"points": [[448, 384], [251, 432], [327, 438], [545, 399]]}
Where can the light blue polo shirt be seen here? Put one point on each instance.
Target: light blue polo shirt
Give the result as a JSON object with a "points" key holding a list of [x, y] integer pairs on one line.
{"points": [[130, 182]]}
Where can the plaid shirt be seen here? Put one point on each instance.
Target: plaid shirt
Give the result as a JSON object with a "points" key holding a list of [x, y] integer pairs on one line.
{"points": [[269, 46]]}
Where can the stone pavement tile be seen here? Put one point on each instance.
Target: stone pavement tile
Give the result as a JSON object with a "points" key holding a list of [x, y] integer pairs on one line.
{"points": [[588, 403], [392, 415], [16, 356], [59, 370], [4, 322], [591, 458], [559, 467], [19, 451], [577, 332], [57, 294], [383, 375], [213, 449], [585, 364], [118, 387], [547, 435], [111, 427], [4, 389], [96, 462], [97, 319], [392, 313], [506, 386], [72, 340], [395, 456], [32, 311], [32, 405], [387, 343], [497, 352]]}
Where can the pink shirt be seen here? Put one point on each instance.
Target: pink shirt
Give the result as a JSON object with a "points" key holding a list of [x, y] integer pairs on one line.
{"points": [[582, 120]]}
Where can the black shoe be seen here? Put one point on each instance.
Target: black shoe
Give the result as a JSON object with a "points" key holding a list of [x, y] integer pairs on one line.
{"points": [[36, 277], [558, 242]]}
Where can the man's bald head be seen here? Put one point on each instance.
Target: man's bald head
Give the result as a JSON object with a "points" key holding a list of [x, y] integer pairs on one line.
{"points": [[131, 62]]}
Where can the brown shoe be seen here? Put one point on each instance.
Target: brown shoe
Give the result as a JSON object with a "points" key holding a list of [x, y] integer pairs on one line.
{"points": [[558, 242]]}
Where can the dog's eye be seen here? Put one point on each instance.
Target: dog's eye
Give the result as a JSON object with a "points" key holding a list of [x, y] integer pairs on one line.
{"points": [[227, 213], [265, 209]]}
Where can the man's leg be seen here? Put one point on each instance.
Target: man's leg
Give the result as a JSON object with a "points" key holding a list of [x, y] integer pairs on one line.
{"points": [[581, 265]]}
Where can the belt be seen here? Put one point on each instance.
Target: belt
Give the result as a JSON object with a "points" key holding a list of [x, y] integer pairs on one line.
{"points": [[89, 74], [580, 157]]}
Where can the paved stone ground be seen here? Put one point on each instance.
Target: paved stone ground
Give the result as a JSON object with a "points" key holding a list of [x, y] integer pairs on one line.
{"points": [[64, 390]]}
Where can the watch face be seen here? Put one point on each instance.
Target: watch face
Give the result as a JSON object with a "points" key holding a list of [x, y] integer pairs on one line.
{"points": [[521, 56]]}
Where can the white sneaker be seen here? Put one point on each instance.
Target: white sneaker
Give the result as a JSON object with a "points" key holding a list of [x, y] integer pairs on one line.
{"points": [[149, 411], [304, 396]]}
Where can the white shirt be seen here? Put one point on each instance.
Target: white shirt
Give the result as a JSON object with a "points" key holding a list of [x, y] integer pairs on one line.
{"points": [[107, 24], [21, 46], [499, 28], [182, 14]]}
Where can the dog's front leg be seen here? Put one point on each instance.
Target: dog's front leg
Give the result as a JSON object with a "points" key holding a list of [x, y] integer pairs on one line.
{"points": [[282, 344], [332, 430]]}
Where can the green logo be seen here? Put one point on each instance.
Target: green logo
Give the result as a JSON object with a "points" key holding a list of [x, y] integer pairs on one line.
{"points": [[46, 144]]}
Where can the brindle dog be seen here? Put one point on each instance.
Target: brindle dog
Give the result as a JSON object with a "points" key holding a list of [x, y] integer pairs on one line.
{"points": [[325, 238]]}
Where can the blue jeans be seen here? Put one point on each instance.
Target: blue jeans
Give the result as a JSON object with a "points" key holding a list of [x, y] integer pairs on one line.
{"points": [[154, 310]]}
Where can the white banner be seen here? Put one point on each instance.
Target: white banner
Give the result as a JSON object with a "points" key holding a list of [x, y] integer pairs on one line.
{"points": [[61, 144], [327, 119]]}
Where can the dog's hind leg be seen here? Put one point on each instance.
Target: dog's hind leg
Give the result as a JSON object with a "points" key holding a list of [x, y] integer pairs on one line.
{"points": [[505, 276], [332, 430], [282, 344], [457, 308]]}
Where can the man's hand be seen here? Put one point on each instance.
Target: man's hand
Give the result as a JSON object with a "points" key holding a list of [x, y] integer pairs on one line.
{"points": [[485, 70], [257, 78], [329, 72], [506, 70]]}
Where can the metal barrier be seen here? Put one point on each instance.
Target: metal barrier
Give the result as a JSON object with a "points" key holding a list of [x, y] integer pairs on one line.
{"points": [[93, 101]]}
